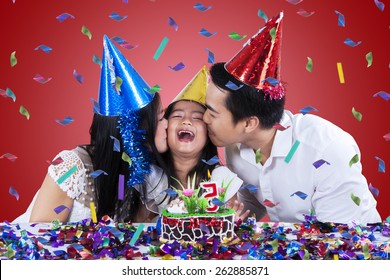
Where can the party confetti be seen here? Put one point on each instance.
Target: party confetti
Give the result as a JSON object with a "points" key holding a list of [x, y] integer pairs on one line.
{"points": [[177, 67], [13, 60], [341, 19], [78, 76], [44, 48], [121, 187], [340, 72], [169, 192], [233, 86], [161, 47], [60, 208], [93, 211], [123, 43], [373, 190], [126, 158], [262, 15], [9, 156], [251, 188], [308, 109], [86, 32], [64, 16], [206, 33], [304, 13], [8, 93], [137, 233], [211, 161], [23, 111], [294, 2], [354, 160], [369, 59], [351, 43], [272, 33], [271, 81], [270, 204], [97, 173], [300, 194], [66, 175], [309, 65], [280, 127], [95, 106], [236, 36], [12, 191], [319, 163], [116, 17], [173, 23], [357, 114], [258, 156], [55, 161], [210, 57], [118, 84], [355, 199], [382, 94], [97, 60], [38, 78], [381, 165], [292, 151], [65, 121], [387, 137], [380, 5], [201, 8], [117, 145]]}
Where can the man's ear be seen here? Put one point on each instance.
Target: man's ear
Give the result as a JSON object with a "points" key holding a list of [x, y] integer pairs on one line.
{"points": [[251, 124]]}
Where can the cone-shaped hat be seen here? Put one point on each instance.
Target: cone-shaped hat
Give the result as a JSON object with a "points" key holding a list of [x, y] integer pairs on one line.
{"points": [[257, 64], [121, 87], [195, 90]]}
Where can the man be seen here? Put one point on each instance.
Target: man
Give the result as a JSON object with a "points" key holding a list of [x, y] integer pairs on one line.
{"points": [[299, 164]]}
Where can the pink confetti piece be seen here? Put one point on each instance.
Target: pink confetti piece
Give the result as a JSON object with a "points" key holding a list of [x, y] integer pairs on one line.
{"points": [[300, 194], [177, 67], [56, 161], [121, 188], [380, 5], [387, 137], [123, 43], [210, 56], [382, 94], [270, 204], [294, 2], [206, 33], [65, 121], [201, 7], [64, 16], [116, 17], [373, 190], [78, 77], [304, 13], [44, 48], [173, 23], [60, 208], [319, 163], [9, 156], [38, 78], [280, 127], [12, 191]]}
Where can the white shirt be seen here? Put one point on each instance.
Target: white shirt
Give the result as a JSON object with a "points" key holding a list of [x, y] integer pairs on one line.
{"points": [[329, 188]]}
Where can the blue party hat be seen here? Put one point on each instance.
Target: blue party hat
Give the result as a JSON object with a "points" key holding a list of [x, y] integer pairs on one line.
{"points": [[121, 87]]}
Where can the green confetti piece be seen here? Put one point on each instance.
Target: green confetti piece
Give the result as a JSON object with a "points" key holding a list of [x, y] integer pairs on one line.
{"points": [[258, 156], [292, 151], [366, 252], [86, 32], [138, 232], [97, 60], [309, 65], [55, 224], [274, 244], [272, 32], [236, 36], [10, 251], [354, 160], [388, 219], [126, 158], [106, 241], [358, 230], [357, 115], [24, 112], [160, 49], [369, 59], [66, 175], [154, 89], [118, 83], [13, 59], [355, 199], [306, 256]]}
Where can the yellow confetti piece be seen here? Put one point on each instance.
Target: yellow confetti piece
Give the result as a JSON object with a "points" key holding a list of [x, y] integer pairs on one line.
{"points": [[93, 211], [341, 73], [167, 257], [86, 32], [208, 174], [24, 112], [336, 257], [13, 59], [126, 158]]}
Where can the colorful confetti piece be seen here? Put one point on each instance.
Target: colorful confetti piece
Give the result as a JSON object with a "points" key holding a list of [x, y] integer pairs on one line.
{"points": [[55, 161], [206, 33], [201, 7], [308, 109], [387, 137], [292, 151], [173, 23], [96, 109], [355, 199], [271, 81], [210, 56], [137, 233], [64, 16], [381, 165], [309, 65], [66, 175], [97, 173], [93, 211], [270, 204], [160, 48], [169, 192], [340, 19], [116, 17], [78, 76], [123, 43], [258, 156], [177, 67], [86, 32], [121, 187], [236, 36], [351, 43], [9, 156], [262, 15], [118, 84], [382, 94], [272, 32], [380, 5], [60, 208], [354, 159], [65, 121], [154, 89], [304, 13], [340, 72], [373, 190], [13, 60], [319, 163], [211, 161], [280, 127], [12, 191], [38, 78], [44, 48], [294, 2], [126, 158], [8, 93], [233, 86], [251, 188], [96, 60], [117, 145], [23, 111], [357, 114], [369, 59], [300, 194]]}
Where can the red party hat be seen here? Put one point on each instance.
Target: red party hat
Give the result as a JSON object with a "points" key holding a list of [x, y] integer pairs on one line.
{"points": [[257, 64]]}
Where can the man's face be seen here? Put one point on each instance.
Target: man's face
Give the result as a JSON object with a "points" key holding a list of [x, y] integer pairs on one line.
{"points": [[222, 131]]}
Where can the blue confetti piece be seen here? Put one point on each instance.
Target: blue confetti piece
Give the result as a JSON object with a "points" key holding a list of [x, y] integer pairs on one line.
{"points": [[117, 145], [158, 225], [251, 188], [177, 67], [271, 81], [300, 194], [95, 106], [8, 93], [308, 109], [233, 86], [381, 165], [60, 208], [217, 202], [212, 160], [319, 163], [341, 19], [351, 43], [97, 173], [262, 15], [373, 190], [201, 7], [123, 43], [210, 57], [78, 77], [64, 16], [12, 191], [169, 192], [44, 48], [204, 228], [116, 17], [380, 5], [173, 23], [65, 121], [206, 33], [383, 95]]}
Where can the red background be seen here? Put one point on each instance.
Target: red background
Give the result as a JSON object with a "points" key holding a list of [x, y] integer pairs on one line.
{"points": [[28, 24]]}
